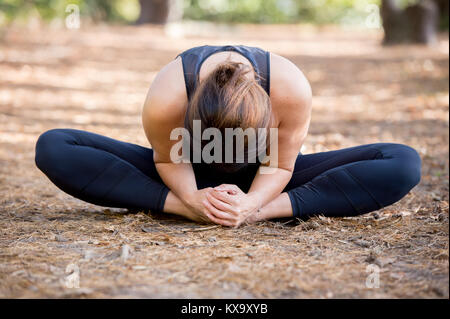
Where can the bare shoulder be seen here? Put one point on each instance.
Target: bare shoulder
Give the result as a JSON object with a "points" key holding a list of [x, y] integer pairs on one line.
{"points": [[166, 98], [289, 88]]}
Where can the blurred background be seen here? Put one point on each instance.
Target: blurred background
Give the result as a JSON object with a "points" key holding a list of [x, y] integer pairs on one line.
{"points": [[398, 14], [349, 12], [379, 70]]}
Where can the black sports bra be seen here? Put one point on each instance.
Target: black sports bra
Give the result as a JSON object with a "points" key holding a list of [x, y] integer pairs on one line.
{"points": [[193, 58]]}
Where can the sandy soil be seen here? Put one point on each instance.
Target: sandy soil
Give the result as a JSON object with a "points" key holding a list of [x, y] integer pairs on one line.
{"points": [[96, 79]]}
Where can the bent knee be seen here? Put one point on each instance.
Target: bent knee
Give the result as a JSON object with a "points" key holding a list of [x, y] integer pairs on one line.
{"points": [[408, 166], [47, 147]]}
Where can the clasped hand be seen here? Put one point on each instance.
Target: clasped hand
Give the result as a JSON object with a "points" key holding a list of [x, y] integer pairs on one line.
{"points": [[228, 205]]}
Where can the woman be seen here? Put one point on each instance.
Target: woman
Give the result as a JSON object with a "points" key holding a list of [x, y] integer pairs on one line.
{"points": [[228, 87]]}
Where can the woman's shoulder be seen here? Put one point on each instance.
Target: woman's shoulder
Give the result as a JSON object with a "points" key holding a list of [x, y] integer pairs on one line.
{"points": [[285, 74], [290, 90], [167, 94], [166, 100], [287, 81]]}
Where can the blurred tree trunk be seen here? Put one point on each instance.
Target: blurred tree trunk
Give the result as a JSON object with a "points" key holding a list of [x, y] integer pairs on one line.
{"points": [[444, 6], [154, 11], [416, 24]]}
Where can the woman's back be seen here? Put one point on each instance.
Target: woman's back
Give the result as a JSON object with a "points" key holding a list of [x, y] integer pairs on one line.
{"points": [[256, 58], [167, 99]]}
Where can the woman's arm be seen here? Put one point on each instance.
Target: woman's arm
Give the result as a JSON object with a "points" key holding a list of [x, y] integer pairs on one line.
{"points": [[294, 107], [164, 111]]}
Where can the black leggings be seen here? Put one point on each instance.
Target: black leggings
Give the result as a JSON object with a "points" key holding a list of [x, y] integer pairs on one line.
{"points": [[345, 182]]}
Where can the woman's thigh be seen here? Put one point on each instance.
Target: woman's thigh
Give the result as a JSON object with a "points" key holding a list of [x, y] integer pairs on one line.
{"points": [[72, 144], [309, 166], [354, 180], [100, 170]]}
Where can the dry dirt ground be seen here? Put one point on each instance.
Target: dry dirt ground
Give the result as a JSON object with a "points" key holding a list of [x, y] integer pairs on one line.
{"points": [[96, 79]]}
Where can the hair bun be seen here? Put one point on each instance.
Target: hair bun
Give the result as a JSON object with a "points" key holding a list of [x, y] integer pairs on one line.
{"points": [[228, 72]]}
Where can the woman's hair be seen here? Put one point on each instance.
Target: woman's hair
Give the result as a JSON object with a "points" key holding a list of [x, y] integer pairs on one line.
{"points": [[228, 98]]}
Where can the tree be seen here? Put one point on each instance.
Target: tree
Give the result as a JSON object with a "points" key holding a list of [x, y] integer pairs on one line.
{"points": [[417, 23], [444, 6], [154, 11]]}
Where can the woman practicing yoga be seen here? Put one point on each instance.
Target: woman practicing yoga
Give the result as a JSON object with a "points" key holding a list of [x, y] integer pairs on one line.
{"points": [[228, 87]]}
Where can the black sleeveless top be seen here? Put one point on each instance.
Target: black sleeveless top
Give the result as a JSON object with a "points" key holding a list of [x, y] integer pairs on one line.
{"points": [[193, 58]]}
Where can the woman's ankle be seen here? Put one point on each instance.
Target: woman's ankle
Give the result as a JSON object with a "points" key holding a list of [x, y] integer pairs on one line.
{"points": [[174, 205], [278, 208]]}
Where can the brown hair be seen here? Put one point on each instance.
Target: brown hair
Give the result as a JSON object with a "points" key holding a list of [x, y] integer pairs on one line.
{"points": [[228, 98]]}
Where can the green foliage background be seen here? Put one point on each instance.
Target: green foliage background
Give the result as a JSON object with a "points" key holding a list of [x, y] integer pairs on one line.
{"points": [[278, 11], [97, 10], [228, 11]]}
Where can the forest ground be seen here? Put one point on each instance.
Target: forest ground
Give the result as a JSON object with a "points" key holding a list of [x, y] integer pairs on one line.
{"points": [[96, 79]]}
